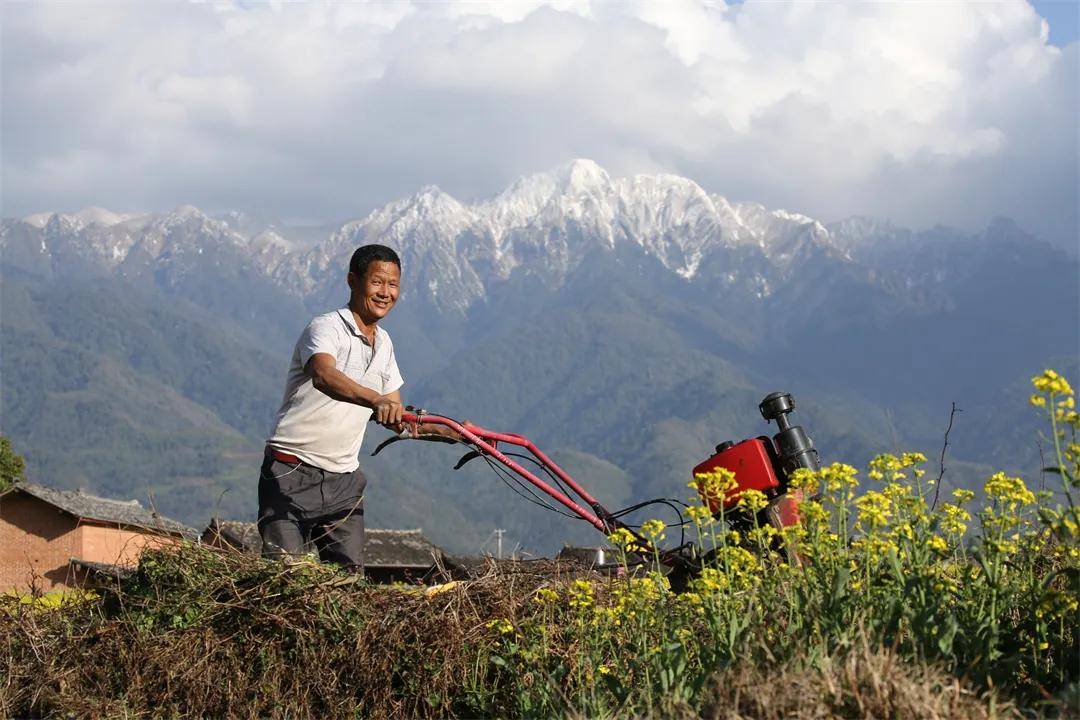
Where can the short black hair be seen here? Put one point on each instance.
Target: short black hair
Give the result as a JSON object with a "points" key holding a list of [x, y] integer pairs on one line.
{"points": [[367, 254]]}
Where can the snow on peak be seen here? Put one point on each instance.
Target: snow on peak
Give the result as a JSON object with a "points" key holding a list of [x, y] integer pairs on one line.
{"points": [[88, 216], [582, 176], [100, 216], [38, 220], [185, 212], [431, 199], [528, 196]]}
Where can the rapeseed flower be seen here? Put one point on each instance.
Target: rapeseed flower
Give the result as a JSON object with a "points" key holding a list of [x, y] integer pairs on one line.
{"points": [[580, 594], [953, 519], [886, 465], [839, 475], [653, 529], [626, 541], [813, 512], [962, 496], [1009, 491], [546, 596], [805, 479], [701, 515], [1052, 383], [874, 508], [762, 535], [753, 500], [938, 545], [714, 485]]}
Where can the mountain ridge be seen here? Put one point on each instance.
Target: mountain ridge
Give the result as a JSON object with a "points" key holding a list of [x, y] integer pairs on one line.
{"points": [[541, 223]]}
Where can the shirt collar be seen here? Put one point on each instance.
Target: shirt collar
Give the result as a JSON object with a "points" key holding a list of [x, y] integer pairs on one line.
{"points": [[350, 321]]}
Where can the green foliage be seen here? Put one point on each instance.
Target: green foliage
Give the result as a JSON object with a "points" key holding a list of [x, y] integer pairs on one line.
{"points": [[12, 465]]}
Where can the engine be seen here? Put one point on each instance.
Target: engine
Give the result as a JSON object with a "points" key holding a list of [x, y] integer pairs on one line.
{"points": [[763, 463]]}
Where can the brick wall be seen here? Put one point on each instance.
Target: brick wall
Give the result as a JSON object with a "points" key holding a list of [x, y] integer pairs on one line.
{"points": [[36, 542], [115, 545]]}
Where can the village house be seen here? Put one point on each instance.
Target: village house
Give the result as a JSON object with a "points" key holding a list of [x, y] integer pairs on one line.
{"points": [[389, 555], [52, 538]]}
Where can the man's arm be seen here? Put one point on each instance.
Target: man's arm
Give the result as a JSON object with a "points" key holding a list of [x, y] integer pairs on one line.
{"points": [[328, 379]]}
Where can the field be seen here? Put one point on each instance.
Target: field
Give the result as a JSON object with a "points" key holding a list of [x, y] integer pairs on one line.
{"points": [[899, 603]]}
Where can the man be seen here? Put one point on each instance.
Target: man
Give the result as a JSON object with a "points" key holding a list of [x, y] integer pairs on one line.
{"points": [[343, 373]]}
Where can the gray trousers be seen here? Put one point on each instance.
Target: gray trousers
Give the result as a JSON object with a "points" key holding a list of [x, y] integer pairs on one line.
{"points": [[304, 508]]}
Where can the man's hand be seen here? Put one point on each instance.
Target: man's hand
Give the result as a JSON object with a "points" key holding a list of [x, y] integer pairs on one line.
{"points": [[387, 411]]}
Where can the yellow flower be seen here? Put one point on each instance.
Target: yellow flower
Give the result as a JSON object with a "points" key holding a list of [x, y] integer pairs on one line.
{"points": [[762, 535], [904, 530], [1009, 491], [962, 496], [839, 475], [700, 514], [874, 547], [626, 541], [692, 599], [1037, 400], [874, 509], [604, 670], [709, 581], [580, 594], [653, 529], [715, 484], [501, 626], [885, 464], [1051, 382], [938, 545], [753, 500], [953, 519], [813, 512], [546, 596], [1067, 416], [805, 479], [1003, 547], [910, 459]]}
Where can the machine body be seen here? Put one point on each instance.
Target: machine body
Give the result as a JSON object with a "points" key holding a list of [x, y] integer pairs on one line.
{"points": [[764, 464]]}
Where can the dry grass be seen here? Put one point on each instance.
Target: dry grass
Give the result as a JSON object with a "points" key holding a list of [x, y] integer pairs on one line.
{"points": [[865, 683], [197, 633]]}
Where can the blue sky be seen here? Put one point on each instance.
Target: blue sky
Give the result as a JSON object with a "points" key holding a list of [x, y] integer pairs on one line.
{"points": [[1063, 16]]}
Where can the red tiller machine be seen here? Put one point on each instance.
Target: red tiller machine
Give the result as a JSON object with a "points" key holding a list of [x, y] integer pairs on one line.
{"points": [[761, 463]]}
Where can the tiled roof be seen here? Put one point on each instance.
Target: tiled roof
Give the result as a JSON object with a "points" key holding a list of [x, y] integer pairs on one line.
{"points": [[91, 507], [382, 548], [102, 570], [399, 548]]}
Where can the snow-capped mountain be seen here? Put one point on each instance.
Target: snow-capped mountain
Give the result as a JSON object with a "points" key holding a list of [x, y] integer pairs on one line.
{"points": [[543, 225]]}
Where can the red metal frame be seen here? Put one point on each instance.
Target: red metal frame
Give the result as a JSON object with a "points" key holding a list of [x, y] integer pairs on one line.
{"points": [[595, 514], [486, 441]]}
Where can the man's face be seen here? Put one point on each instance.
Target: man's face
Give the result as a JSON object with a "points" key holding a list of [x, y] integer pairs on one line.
{"points": [[377, 291]]}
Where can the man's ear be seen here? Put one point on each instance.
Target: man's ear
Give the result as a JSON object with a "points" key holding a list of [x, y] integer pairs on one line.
{"points": [[352, 280]]}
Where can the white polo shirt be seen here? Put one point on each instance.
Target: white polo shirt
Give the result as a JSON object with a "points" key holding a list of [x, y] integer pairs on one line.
{"points": [[311, 425]]}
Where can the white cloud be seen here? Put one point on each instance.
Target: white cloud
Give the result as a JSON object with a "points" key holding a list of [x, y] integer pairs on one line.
{"points": [[924, 112]]}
